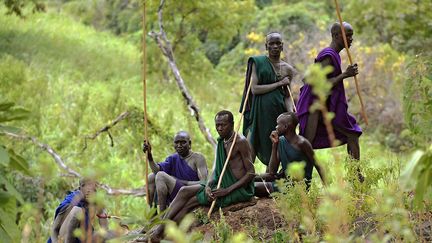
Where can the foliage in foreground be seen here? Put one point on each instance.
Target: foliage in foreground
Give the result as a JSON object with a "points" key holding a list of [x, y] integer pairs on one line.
{"points": [[10, 162], [74, 80]]}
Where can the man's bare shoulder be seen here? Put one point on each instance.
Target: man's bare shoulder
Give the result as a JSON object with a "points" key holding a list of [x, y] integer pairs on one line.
{"points": [[198, 156], [241, 138], [304, 143], [243, 143], [285, 65]]}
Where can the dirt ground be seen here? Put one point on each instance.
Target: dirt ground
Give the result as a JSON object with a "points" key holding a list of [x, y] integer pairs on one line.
{"points": [[259, 218]]}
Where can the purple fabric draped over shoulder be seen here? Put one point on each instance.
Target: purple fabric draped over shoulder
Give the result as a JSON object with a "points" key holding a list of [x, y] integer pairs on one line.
{"points": [[177, 167], [336, 102]]}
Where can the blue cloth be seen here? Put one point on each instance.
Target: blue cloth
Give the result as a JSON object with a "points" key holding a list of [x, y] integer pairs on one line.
{"points": [[176, 166], [288, 154], [69, 199]]}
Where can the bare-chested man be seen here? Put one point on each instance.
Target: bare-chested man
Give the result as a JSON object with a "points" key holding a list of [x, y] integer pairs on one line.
{"points": [[237, 182], [287, 147], [182, 168], [270, 77]]}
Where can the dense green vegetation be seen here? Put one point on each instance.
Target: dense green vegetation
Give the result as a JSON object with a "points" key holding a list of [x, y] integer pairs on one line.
{"points": [[67, 72]]}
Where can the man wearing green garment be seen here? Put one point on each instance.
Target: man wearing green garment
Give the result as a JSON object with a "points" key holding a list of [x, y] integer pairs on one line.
{"points": [[270, 78], [237, 182]]}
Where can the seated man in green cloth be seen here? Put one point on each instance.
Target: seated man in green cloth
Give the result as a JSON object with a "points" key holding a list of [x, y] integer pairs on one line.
{"points": [[270, 78], [287, 147], [237, 182]]}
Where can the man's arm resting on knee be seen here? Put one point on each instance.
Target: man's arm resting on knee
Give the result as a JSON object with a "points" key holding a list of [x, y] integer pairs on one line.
{"points": [[56, 227], [271, 175], [265, 177], [274, 156], [61, 216]]}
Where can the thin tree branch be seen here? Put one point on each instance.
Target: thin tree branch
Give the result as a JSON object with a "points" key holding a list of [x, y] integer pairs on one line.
{"points": [[166, 48], [71, 172], [181, 34], [106, 128]]}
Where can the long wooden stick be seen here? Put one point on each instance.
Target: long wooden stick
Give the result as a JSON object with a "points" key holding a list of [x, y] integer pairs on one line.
{"points": [[144, 80], [363, 113], [292, 98], [231, 148]]}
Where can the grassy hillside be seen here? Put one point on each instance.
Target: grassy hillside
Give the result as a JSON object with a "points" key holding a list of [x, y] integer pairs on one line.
{"points": [[75, 79]]}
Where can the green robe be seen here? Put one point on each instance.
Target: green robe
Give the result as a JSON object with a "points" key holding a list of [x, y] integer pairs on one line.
{"points": [[262, 110], [239, 195]]}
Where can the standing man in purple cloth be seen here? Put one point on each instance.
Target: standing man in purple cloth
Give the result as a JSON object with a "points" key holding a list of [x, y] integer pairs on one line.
{"points": [[182, 168], [347, 131]]}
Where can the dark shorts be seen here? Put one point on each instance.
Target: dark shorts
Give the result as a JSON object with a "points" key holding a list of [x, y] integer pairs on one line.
{"points": [[175, 191]]}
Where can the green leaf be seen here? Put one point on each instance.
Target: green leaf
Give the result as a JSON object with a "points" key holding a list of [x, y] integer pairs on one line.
{"points": [[6, 106], [421, 188], [15, 114], [4, 234], [296, 170], [4, 197], [9, 129], [11, 189], [4, 156], [8, 229], [406, 177], [19, 163], [417, 175]]}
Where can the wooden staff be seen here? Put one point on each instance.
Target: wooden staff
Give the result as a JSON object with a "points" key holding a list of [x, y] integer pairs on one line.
{"points": [[231, 148], [144, 80], [292, 98], [363, 113]]}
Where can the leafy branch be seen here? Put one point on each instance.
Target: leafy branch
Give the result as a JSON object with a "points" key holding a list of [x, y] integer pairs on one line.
{"points": [[69, 171]]}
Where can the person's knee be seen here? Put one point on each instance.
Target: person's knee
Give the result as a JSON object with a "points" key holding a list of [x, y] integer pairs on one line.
{"points": [[161, 176], [161, 181], [184, 192], [71, 222], [151, 178], [76, 213]]}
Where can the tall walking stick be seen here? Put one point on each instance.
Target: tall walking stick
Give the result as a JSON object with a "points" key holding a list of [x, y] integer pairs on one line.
{"points": [[231, 147], [363, 113], [144, 66]]}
